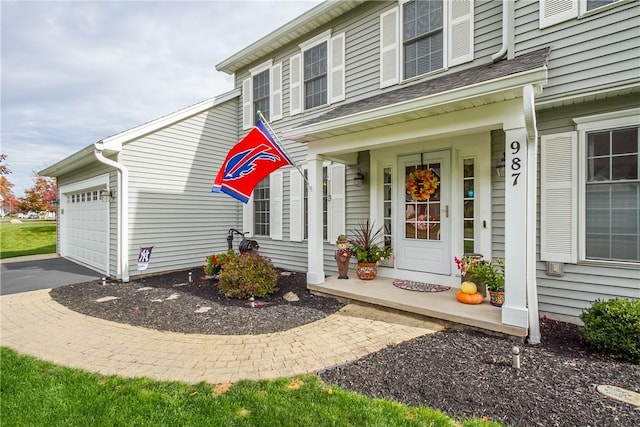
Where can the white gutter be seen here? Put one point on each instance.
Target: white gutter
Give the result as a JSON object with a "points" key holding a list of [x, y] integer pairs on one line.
{"points": [[528, 99], [506, 32], [122, 258]]}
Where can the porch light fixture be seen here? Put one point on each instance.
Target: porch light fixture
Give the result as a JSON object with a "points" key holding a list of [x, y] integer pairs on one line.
{"points": [[106, 195], [501, 166], [358, 180]]}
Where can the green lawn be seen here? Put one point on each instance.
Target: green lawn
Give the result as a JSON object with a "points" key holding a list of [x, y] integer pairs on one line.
{"points": [[37, 393], [27, 238]]}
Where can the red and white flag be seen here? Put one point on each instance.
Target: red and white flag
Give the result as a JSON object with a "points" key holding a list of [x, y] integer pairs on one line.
{"points": [[248, 162]]}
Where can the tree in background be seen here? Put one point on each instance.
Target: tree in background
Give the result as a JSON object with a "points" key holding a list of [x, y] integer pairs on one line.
{"points": [[41, 196], [9, 201]]}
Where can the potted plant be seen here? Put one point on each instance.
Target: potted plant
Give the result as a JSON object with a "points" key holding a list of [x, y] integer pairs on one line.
{"points": [[491, 273], [367, 250]]}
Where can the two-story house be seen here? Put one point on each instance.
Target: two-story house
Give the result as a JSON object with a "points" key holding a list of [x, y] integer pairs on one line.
{"points": [[525, 112]]}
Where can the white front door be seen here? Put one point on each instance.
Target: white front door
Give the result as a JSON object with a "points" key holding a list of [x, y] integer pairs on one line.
{"points": [[424, 189]]}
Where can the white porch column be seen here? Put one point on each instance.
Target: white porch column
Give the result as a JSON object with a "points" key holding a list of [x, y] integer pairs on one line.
{"points": [[315, 262], [514, 310]]}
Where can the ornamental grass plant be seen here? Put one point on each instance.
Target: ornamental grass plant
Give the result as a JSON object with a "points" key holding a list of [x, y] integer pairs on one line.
{"points": [[366, 243]]}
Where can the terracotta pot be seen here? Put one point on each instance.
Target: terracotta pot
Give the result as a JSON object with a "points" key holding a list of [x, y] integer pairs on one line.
{"points": [[367, 270], [496, 298]]}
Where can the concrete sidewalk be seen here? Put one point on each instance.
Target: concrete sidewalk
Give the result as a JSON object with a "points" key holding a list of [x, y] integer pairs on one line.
{"points": [[34, 324]]}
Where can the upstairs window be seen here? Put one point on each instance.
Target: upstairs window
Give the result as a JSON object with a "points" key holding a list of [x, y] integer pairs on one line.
{"points": [[317, 73], [315, 76], [262, 91], [261, 94], [423, 37]]}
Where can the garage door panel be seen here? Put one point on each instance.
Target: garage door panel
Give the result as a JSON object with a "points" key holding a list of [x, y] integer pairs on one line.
{"points": [[87, 228]]}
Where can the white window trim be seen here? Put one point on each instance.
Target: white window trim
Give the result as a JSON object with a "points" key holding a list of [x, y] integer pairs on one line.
{"points": [[333, 70], [598, 122], [445, 43], [247, 92], [583, 12], [332, 227]]}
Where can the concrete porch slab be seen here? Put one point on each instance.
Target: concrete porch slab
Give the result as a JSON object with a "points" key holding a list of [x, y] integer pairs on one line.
{"points": [[441, 306]]}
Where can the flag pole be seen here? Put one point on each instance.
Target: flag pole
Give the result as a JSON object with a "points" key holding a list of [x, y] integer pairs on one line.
{"points": [[273, 133]]}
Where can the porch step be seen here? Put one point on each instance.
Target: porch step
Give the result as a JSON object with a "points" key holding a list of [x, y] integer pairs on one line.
{"points": [[439, 307]]}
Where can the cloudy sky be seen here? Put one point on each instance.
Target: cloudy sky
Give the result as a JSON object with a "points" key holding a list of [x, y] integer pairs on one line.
{"points": [[75, 72]]}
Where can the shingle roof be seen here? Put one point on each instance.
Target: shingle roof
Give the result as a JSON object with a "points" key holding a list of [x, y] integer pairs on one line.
{"points": [[468, 77]]}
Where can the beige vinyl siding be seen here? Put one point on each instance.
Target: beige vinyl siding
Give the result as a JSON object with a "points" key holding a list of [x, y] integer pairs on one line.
{"points": [[584, 282], [171, 206], [594, 52]]}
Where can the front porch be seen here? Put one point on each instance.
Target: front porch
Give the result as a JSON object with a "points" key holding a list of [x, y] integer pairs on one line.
{"points": [[441, 306]]}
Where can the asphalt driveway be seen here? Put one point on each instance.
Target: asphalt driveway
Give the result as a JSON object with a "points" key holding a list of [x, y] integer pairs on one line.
{"points": [[41, 272]]}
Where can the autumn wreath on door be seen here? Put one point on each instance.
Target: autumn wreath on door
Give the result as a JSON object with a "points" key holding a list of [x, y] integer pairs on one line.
{"points": [[421, 184]]}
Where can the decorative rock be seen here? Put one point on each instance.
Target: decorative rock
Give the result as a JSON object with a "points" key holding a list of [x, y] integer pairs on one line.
{"points": [[180, 285], [172, 296], [291, 297], [157, 300], [285, 273], [203, 309], [146, 288], [106, 299], [621, 394]]}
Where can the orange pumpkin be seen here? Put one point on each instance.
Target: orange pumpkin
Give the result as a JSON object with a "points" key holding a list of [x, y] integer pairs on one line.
{"points": [[476, 298]]}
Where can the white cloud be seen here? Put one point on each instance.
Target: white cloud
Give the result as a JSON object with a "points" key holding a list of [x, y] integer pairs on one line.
{"points": [[76, 72]]}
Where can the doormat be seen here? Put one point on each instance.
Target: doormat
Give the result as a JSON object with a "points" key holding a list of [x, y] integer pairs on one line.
{"points": [[410, 285]]}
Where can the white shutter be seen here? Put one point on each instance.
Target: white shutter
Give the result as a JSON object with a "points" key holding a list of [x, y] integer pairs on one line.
{"points": [[275, 205], [555, 11], [247, 217], [337, 68], [460, 32], [295, 84], [296, 206], [276, 92], [559, 197], [337, 217], [389, 48], [247, 105]]}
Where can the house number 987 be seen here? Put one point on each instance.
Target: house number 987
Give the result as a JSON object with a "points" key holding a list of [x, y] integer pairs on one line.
{"points": [[516, 162]]}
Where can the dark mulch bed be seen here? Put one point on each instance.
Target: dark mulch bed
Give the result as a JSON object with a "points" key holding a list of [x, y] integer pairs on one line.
{"points": [[463, 373], [170, 302]]}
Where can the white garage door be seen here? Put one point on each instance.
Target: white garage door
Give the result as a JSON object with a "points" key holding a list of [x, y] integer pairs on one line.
{"points": [[85, 228]]}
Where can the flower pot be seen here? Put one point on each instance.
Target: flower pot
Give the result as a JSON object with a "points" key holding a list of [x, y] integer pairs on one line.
{"points": [[496, 298], [367, 270]]}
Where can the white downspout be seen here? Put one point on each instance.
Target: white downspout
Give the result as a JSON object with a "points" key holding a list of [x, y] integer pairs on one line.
{"points": [[122, 260], [506, 32], [528, 96]]}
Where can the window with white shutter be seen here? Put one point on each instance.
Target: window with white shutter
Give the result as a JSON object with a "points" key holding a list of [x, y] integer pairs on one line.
{"points": [[317, 73], [421, 37], [559, 197]]}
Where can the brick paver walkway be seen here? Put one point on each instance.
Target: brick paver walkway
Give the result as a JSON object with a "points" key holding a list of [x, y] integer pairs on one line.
{"points": [[34, 324]]}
